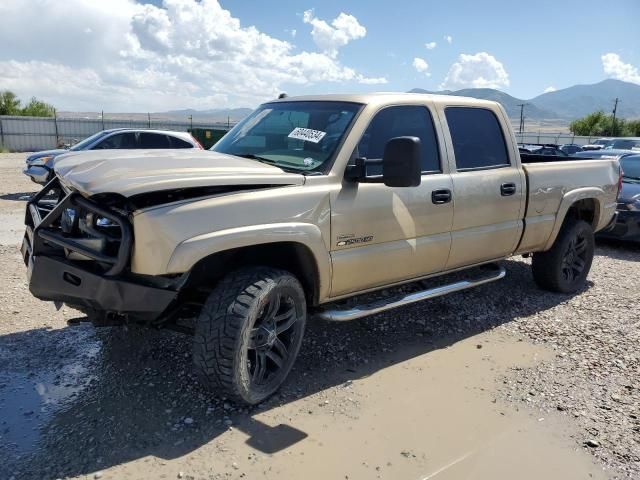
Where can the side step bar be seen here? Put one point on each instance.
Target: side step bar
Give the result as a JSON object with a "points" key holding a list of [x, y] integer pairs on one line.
{"points": [[359, 311]]}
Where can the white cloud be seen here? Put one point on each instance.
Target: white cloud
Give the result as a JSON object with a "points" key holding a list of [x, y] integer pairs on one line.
{"points": [[329, 38], [550, 89], [481, 70], [430, 45], [294, 32], [421, 66], [449, 39], [614, 67], [188, 54]]}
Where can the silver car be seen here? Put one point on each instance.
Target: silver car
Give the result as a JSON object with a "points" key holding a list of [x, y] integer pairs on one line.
{"points": [[39, 166]]}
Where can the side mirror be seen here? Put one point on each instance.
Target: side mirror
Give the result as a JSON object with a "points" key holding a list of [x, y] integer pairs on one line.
{"points": [[401, 162]]}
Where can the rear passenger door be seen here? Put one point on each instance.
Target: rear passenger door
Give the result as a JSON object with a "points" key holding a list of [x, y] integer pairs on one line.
{"points": [[488, 187]]}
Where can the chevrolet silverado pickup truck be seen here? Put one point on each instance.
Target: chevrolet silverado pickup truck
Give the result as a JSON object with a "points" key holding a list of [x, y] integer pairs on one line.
{"points": [[306, 202]]}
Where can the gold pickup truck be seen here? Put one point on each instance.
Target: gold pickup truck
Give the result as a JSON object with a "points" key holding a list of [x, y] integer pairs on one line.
{"points": [[308, 201]]}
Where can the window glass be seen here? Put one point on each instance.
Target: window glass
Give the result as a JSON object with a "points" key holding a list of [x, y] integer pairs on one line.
{"points": [[478, 141], [400, 121], [153, 140], [118, 141], [178, 142], [297, 135]]}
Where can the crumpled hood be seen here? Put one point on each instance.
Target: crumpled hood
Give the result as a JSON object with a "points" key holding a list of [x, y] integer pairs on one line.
{"points": [[45, 153], [131, 172]]}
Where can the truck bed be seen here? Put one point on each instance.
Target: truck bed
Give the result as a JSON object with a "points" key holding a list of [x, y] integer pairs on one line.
{"points": [[550, 182]]}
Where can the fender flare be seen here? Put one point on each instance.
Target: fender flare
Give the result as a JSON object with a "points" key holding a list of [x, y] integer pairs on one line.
{"points": [[587, 193], [190, 251]]}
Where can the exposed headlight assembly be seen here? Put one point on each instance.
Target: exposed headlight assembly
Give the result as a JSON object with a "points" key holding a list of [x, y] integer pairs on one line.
{"points": [[42, 161]]}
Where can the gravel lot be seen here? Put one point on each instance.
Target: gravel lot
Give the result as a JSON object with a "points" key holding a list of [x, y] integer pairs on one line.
{"points": [[504, 381]]}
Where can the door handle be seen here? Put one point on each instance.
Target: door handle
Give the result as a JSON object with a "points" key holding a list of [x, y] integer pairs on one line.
{"points": [[441, 196], [507, 189]]}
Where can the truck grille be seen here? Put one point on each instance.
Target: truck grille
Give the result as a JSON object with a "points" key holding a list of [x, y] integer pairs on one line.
{"points": [[65, 224]]}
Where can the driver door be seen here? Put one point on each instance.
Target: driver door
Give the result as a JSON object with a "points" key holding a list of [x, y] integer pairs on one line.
{"points": [[382, 235]]}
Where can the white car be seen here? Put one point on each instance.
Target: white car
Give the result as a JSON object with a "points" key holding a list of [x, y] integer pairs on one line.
{"points": [[40, 164]]}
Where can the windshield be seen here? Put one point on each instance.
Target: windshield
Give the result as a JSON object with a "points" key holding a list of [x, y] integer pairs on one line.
{"points": [[631, 167], [88, 141], [301, 136]]}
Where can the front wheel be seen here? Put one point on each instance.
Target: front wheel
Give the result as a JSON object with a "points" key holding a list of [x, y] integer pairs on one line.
{"points": [[564, 267], [249, 333]]}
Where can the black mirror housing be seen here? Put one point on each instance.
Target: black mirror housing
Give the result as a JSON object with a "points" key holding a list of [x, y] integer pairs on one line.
{"points": [[401, 162]]}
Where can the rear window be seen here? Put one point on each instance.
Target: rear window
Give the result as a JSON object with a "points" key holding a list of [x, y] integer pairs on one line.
{"points": [[478, 141]]}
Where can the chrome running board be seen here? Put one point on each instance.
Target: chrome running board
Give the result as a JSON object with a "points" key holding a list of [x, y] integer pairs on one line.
{"points": [[359, 311]]}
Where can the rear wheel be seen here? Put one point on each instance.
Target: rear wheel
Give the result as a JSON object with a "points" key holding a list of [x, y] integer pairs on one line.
{"points": [[249, 333], [564, 268]]}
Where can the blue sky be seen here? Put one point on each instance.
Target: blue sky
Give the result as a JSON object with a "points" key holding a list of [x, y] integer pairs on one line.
{"points": [[127, 55], [541, 43]]}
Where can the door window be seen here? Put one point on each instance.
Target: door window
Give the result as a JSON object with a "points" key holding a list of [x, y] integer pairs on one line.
{"points": [[154, 140], [178, 142], [401, 121], [478, 141], [117, 141]]}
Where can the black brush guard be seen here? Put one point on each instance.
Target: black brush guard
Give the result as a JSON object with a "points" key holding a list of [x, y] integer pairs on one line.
{"points": [[100, 284]]}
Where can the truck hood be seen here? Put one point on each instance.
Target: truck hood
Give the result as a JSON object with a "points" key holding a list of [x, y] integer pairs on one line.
{"points": [[132, 172]]}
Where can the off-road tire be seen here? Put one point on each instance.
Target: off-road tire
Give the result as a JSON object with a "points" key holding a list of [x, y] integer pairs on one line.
{"points": [[225, 340], [557, 269]]}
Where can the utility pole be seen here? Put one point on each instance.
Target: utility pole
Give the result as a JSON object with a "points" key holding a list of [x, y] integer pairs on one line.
{"points": [[149, 119], [191, 123], [102, 118], [613, 125], [522, 105]]}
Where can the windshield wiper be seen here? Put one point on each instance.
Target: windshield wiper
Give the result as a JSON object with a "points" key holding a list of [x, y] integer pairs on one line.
{"points": [[630, 177], [268, 161]]}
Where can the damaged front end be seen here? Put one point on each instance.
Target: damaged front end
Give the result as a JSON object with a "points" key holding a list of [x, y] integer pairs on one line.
{"points": [[78, 252]]}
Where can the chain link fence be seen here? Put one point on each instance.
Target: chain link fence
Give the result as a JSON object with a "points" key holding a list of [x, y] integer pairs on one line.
{"points": [[22, 134], [27, 134]]}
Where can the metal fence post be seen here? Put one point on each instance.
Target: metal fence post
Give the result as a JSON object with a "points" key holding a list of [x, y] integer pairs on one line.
{"points": [[1, 134], [55, 120]]}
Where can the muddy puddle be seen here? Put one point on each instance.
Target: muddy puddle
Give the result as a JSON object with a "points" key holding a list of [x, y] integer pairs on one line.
{"points": [[34, 387]]}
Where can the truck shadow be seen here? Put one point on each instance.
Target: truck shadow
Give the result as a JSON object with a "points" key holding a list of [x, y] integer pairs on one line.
{"points": [[136, 396]]}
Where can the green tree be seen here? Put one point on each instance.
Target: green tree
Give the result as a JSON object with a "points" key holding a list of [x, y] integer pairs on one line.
{"points": [[592, 124], [9, 103], [632, 128], [37, 108]]}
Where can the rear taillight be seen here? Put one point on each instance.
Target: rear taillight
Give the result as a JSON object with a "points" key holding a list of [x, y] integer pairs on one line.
{"points": [[197, 142], [619, 181]]}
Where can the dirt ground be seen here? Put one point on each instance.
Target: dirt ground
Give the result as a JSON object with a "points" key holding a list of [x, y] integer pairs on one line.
{"points": [[500, 382]]}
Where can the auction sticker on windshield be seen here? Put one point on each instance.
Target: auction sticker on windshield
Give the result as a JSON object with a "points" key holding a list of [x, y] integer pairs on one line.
{"points": [[307, 134]]}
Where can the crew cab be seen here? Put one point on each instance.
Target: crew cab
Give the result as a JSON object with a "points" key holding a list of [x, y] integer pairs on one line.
{"points": [[306, 202]]}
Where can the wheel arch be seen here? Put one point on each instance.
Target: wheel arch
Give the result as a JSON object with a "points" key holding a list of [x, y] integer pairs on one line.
{"points": [[582, 204], [292, 256]]}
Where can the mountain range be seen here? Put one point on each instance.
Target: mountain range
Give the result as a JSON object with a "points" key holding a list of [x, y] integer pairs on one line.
{"points": [[566, 104]]}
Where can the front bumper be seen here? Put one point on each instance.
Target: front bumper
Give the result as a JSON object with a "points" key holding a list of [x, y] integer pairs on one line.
{"points": [[99, 282], [37, 173], [627, 227]]}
